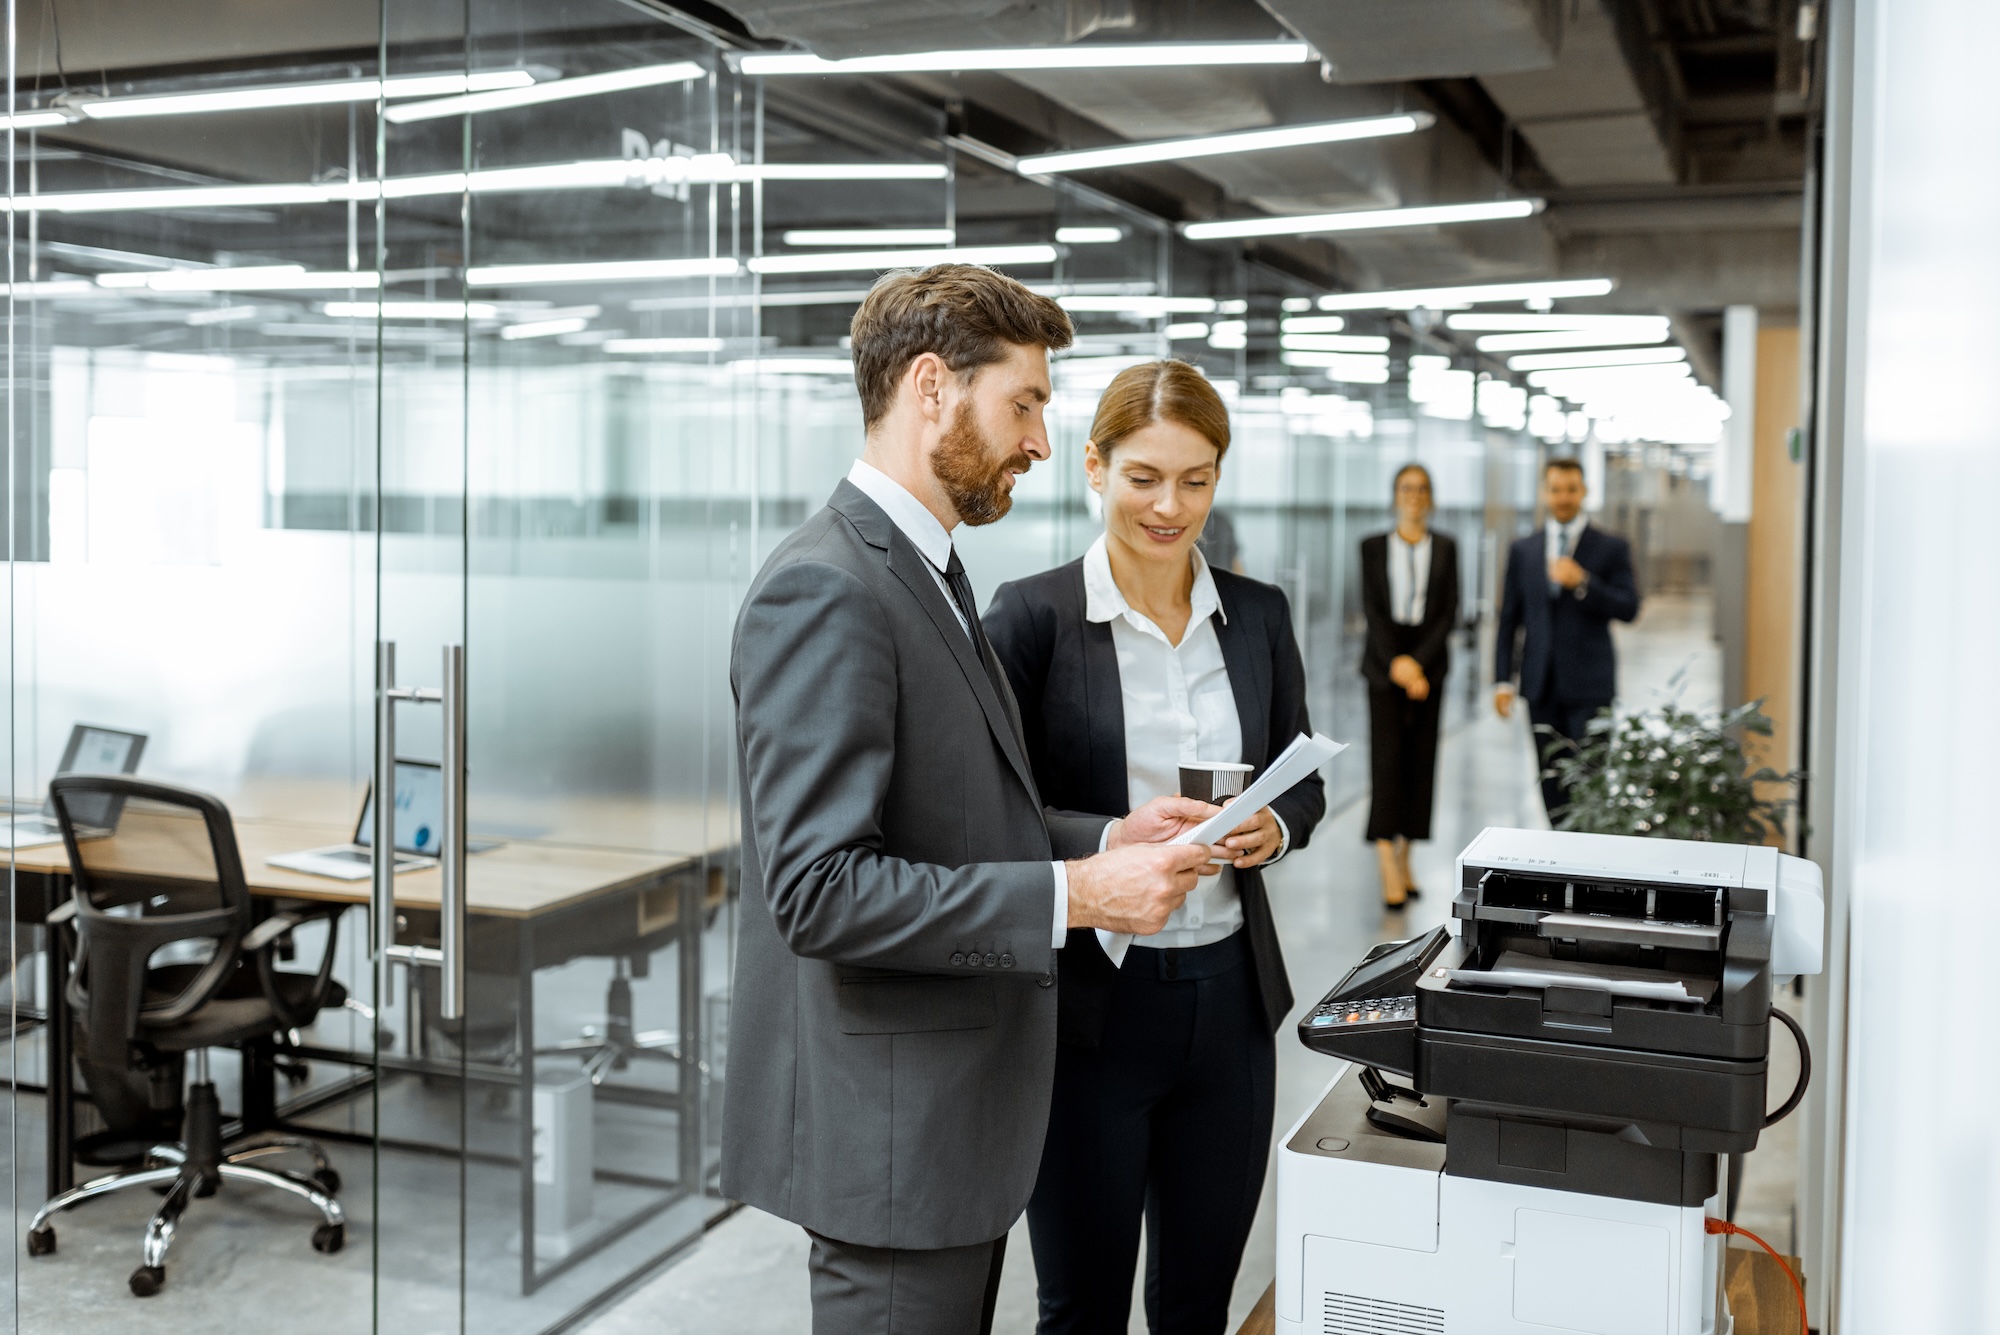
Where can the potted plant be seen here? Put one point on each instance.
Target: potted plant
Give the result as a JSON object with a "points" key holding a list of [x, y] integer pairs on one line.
{"points": [[1672, 772]]}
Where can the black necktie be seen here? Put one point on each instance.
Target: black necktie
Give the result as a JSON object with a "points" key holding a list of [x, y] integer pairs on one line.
{"points": [[961, 593]]}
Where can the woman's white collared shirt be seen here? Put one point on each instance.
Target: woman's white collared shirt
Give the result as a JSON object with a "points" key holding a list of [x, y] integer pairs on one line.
{"points": [[1178, 706], [1409, 578]]}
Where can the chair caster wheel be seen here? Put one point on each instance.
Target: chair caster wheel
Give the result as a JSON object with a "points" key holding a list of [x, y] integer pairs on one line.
{"points": [[147, 1280], [329, 1238], [42, 1241], [328, 1180]]}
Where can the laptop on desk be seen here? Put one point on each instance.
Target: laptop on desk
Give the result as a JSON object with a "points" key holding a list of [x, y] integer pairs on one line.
{"points": [[91, 750], [419, 831]]}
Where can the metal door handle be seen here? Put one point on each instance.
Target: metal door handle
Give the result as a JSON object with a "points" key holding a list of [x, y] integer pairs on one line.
{"points": [[451, 898], [382, 848]]}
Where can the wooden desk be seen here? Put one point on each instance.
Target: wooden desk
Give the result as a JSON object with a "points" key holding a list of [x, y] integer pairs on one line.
{"points": [[519, 879], [530, 904]]}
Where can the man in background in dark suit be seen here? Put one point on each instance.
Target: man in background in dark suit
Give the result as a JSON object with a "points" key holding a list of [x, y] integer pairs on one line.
{"points": [[1565, 585]]}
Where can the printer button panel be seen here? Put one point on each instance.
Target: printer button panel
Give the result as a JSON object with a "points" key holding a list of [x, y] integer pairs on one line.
{"points": [[1372, 1011]]}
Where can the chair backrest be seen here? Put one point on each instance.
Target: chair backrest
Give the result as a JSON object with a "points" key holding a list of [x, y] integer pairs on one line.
{"points": [[170, 872]]}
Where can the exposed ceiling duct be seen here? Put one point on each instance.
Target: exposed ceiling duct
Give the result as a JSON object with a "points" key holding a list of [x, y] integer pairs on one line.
{"points": [[1586, 115], [1373, 41]]}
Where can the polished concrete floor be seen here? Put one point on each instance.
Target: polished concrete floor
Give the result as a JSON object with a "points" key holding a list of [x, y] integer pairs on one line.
{"points": [[748, 1275]]}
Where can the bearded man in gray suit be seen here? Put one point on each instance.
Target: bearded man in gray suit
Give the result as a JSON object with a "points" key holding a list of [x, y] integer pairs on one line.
{"points": [[905, 893]]}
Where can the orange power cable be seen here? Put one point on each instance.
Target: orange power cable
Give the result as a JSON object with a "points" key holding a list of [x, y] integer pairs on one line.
{"points": [[1798, 1289]]}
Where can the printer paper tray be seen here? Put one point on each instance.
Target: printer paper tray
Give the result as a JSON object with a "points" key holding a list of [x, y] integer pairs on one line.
{"points": [[1617, 979]]}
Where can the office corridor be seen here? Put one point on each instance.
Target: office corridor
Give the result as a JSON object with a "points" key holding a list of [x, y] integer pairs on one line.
{"points": [[748, 1274]]}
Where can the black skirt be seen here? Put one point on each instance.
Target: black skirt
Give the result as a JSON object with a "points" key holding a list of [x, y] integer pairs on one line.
{"points": [[1402, 745]]}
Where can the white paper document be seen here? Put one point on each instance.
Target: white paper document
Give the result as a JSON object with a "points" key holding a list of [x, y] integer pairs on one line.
{"points": [[1301, 758]]}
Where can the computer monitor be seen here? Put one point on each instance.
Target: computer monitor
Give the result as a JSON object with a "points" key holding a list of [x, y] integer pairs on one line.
{"points": [[96, 750], [419, 810]]}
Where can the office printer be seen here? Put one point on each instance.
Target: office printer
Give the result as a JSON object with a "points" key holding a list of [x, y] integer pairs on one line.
{"points": [[1526, 1133]]}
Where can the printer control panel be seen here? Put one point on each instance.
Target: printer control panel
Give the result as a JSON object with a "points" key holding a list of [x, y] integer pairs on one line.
{"points": [[1374, 1010]]}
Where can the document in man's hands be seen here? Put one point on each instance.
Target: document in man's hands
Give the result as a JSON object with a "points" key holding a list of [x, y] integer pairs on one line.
{"points": [[1301, 758]]}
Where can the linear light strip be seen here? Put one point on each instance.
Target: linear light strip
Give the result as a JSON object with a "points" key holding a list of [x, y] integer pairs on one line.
{"points": [[1571, 338], [1207, 146], [605, 173], [1496, 323], [1364, 220], [1081, 57], [1437, 298], [302, 94], [597, 271], [1565, 361], [870, 236], [855, 260], [556, 90]]}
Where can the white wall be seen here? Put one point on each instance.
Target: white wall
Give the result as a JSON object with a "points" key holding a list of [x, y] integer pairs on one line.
{"points": [[1917, 718]]}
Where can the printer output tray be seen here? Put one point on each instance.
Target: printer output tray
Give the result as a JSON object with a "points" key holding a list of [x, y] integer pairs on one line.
{"points": [[1581, 1014]]}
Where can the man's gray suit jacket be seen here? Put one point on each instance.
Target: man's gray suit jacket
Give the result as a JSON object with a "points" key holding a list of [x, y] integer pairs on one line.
{"points": [[893, 1028]]}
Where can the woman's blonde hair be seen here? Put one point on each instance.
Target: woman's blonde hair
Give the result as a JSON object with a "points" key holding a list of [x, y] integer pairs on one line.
{"points": [[1162, 391]]}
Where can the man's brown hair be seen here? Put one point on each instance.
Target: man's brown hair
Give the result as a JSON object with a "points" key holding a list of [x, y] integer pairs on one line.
{"points": [[1563, 464], [967, 315]]}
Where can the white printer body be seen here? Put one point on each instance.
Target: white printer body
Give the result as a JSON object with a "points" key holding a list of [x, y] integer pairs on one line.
{"points": [[1552, 1161]]}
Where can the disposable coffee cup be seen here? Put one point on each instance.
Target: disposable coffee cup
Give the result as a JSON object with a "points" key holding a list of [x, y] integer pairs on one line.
{"points": [[1212, 780]]}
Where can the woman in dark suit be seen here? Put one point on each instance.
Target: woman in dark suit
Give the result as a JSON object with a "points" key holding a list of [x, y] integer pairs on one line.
{"points": [[1409, 593], [1126, 663]]}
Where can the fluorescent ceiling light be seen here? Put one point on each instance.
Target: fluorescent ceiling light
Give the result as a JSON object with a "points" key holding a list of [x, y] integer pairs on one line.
{"points": [[792, 366], [556, 90], [1561, 361], [1146, 308], [221, 315], [1572, 338], [1084, 57], [33, 120], [1192, 329], [52, 287], [1089, 236], [639, 345], [1333, 342], [597, 271], [1360, 368], [411, 310], [1439, 298], [544, 328], [303, 94], [1488, 322], [851, 260], [246, 278], [600, 173], [1311, 324], [1298, 304], [1208, 146], [1363, 220], [844, 171], [870, 236]]}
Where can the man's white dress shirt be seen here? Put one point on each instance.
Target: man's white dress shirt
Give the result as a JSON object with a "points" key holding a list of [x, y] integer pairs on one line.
{"points": [[1178, 707], [1409, 578], [933, 541], [1561, 540]]}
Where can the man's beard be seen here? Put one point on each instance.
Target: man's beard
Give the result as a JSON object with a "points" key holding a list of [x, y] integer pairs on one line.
{"points": [[963, 464]]}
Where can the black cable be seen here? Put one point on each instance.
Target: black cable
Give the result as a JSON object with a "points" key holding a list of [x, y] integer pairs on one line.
{"points": [[1805, 1070]]}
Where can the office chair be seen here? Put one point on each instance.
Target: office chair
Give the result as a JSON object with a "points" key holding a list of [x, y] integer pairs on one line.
{"points": [[157, 875]]}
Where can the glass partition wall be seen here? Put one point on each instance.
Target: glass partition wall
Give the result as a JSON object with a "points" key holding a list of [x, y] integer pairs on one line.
{"points": [[413, 393]]}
